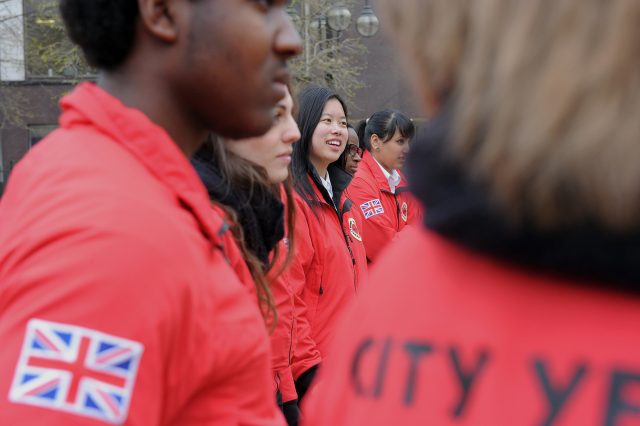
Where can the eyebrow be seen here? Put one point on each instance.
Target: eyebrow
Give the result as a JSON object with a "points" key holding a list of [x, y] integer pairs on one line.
{"points": [[331, 115]]}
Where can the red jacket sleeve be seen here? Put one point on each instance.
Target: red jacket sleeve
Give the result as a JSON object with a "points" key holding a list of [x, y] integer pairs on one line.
{"points": [[378, 230], [283, 335], [305, 353]]}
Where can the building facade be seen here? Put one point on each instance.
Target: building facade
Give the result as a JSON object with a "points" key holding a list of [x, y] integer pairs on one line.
{"points": [[33, 76]]}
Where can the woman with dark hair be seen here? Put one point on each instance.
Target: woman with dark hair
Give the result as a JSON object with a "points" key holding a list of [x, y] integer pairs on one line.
{"points": [[379, 189], [330, 260], [248, 180]]}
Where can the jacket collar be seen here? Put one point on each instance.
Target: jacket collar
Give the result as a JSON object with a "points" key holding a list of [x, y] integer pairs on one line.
{"points": [[260, 213], [462, 210], [148, 143], [370, 166], [340, 180]]}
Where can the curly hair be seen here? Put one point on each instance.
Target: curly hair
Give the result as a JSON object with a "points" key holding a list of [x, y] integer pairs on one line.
{"points": [[104, 29]]}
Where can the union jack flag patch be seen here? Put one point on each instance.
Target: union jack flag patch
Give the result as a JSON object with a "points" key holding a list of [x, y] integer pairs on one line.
{"points": [[371, 208], [77, 370]]}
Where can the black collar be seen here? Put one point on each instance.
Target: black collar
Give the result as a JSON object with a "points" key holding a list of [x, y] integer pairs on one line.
{"points": [[260, 212], [340, 179], [462, 210]]}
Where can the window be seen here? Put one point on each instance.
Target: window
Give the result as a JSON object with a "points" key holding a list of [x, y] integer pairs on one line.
{"points": [[48, 51], [38, 132]]}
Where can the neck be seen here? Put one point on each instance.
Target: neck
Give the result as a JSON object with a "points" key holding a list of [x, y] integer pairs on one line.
{"points": [[389, 170], [321, 168], [145, 93]]}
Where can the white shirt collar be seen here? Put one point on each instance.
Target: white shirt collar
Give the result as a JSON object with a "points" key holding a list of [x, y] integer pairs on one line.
{"points": [[393, 178], [327, 185]]}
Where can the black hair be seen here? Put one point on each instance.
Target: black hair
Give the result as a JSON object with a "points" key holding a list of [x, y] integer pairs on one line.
{"points": [[384, 124], [342, 161], [311, 103], [104, 29], [360, 131]]}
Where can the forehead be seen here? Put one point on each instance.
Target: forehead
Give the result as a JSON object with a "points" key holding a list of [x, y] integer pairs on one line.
{"points": [[333, 107], [353, 136], [286, 102]]}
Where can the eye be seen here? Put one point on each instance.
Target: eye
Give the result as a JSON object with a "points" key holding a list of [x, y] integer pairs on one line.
{"points": [[326, 120], [264, 5], [278, 114]]}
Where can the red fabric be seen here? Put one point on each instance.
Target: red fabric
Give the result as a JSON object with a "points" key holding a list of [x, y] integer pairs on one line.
{"points": [[400, 209], [328, 267], [106, 226], [447, 306], [283, 334]]}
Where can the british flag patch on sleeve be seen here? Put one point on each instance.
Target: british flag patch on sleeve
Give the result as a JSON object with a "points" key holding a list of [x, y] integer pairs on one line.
{"points": [[371, 208], [77, 370]]}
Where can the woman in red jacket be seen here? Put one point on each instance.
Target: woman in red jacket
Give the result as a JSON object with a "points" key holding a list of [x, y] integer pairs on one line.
{"points": [[329, 260], [248, 180], [353, 153], [379, 189], [519, 302]]}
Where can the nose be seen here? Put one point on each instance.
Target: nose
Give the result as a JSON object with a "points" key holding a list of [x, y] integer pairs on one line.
{"points": [[287, 41], [337, 129], [357, 158], [291, 133], [406, 148]]}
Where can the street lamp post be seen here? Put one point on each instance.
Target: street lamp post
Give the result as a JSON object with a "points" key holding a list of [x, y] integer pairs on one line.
{"points": [[367, 23], [338, 18]]}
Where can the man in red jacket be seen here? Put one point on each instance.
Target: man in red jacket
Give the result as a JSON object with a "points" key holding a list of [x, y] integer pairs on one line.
{"points": [[116, 303]]}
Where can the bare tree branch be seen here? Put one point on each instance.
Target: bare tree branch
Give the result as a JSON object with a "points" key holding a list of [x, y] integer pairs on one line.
{"points": [[329, 58]]}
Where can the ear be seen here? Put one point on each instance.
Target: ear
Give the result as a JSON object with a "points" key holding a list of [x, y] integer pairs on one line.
{"points": [[158, 18], [375, 141]]}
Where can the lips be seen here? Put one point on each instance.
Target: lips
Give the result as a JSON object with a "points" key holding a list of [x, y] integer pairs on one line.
{"points": [[281, 76], [334, 142]]}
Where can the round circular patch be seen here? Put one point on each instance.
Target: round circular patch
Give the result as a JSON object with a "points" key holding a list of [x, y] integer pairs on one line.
{"points": [[404, 211], [353, 228]]}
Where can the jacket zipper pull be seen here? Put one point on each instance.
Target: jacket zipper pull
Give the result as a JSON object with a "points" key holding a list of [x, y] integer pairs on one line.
{"points": [[321, 290]]}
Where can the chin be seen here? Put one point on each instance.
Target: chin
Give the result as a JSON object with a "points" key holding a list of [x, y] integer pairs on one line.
{"points": [[278, 178]]}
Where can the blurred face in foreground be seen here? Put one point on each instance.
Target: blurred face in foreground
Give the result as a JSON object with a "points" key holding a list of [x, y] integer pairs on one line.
{"points": [[272, 151]]}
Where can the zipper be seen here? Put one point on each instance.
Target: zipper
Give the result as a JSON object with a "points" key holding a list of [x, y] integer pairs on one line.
{"points": [[395, 198], [346, 240]]}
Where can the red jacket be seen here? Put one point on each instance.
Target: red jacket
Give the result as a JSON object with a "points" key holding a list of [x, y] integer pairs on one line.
{"points": [[445, 336], [282, 337], [328, 267], [383, 213], [116, 303]]}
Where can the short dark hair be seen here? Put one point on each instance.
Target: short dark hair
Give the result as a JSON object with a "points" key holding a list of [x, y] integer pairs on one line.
{"points": [[311, 103], [384, 124], [342, 161], [104, 29]]}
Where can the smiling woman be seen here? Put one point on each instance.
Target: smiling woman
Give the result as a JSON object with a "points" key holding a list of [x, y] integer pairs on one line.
{"points": [[329, 261]]}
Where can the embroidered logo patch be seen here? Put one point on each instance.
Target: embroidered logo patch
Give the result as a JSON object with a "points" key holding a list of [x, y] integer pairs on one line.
{"points": [[74, 369], [371, 208], [353, 229], [404, 211]]}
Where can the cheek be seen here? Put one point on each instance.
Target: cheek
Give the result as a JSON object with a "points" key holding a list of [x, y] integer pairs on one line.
{"points": [[249, 150], [317, 140]]}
